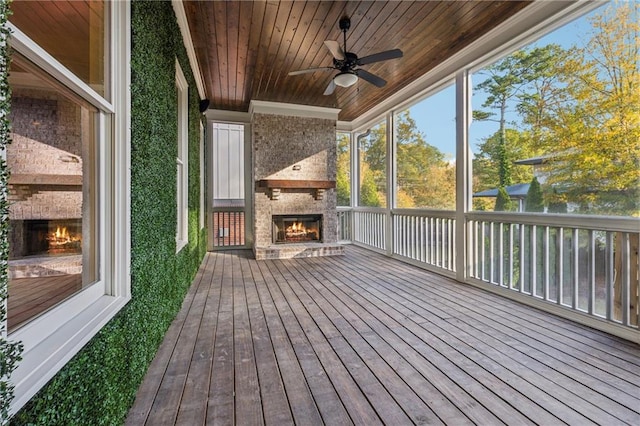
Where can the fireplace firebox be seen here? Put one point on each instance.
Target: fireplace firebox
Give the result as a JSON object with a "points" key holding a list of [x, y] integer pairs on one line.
{"points": [[288, 229], [46, 238]]}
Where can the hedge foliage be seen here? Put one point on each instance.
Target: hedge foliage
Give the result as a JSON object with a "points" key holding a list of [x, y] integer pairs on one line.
{"points": [[9, 351], [99, 385]]}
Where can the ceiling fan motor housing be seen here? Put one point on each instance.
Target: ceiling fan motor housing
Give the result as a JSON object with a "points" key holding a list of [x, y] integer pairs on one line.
{"points": [[348, 63]]}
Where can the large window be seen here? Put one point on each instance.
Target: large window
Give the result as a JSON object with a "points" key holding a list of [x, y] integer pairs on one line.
{"points": [[69, 195], [182, 160], [372, 166], [425, 138], [556, 124], [53, 212]]}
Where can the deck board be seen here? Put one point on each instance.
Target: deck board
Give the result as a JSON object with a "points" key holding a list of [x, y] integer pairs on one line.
{"points": [[365, 339]]}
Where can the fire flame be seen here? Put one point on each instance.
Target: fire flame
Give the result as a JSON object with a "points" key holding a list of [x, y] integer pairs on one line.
{"points": [[296, 228], [61, 237]]}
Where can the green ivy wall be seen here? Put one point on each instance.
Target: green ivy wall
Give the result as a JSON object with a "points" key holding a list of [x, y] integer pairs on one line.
{"points": [[98, 386]]}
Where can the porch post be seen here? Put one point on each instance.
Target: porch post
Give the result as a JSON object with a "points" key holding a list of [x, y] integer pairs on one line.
{"points": [[391, 183], [463, 173]]}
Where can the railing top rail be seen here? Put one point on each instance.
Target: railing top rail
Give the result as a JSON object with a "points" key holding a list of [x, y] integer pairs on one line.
{"points": [[445, 214], [604, 223]]}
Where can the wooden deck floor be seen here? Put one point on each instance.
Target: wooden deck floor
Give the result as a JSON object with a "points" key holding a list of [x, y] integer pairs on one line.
{"points": [[29, 297], [364, 339]]}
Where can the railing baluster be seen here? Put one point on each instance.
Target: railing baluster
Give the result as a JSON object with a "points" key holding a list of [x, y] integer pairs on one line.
{"points": [[546, 263], [533, 237], [501, 255], [521, 274], [482, 258], [560, 266], [610, 274], [626, 278], [575, 265], [511, 255], [592, 273]]}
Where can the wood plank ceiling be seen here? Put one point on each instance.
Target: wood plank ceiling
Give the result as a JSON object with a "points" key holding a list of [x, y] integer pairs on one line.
{"points": [[246, 48]]}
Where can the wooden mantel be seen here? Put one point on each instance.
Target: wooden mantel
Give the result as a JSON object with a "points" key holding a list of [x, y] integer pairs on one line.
{"points": [[275, 185]]}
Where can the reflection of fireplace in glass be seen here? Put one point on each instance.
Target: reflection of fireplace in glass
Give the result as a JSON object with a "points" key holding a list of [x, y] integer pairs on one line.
{"points": [[297, 228], [50, 238]]}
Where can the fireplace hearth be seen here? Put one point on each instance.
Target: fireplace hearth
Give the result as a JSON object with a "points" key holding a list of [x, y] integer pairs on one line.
{"points": [[292, 229]]}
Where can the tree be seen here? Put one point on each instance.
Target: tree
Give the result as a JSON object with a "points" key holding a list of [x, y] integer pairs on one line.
{"points": [[369, 195], [343, 162], [424, 177], [487, 159], [373, 167], [503, 201], [557, 204], [534, 201], [595, 123], [522, 83]]}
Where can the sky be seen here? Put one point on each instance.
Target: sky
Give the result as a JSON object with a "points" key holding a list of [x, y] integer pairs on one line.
{"points": [[435, 116]]}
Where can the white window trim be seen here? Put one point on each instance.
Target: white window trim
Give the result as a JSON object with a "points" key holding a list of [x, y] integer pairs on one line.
{"points": [[202, 177], [182, 160], [53, 338]]}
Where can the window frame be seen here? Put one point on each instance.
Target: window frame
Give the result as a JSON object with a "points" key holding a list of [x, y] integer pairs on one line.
{"points": [[182, 160], [53, 338]]}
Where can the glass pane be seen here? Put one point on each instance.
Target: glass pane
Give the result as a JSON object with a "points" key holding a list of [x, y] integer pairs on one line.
{"points": [[52, 190], [72, 31], [372, 163], [426, 150], [556, 127], [343, 169]]}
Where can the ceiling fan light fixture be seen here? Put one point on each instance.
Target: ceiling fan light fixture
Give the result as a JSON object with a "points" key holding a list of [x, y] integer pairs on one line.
{"points": [[345, 79]]}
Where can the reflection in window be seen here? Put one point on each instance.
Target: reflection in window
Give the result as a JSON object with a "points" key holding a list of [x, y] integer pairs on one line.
{"points": [[425, 136], [556, 123], [372, 167], [343, 172], [75, 34], [52, 215]]}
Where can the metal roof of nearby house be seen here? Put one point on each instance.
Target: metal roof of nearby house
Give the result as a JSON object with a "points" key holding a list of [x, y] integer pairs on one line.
{"points": [[515, 191]]}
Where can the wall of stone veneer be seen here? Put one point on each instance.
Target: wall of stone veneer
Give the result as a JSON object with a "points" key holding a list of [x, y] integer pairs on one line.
{"points": [[47, 132], [279, 143]]}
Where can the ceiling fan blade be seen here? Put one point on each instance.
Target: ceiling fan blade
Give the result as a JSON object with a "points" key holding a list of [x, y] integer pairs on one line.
{"points": [[330, 88], [381, 56], [373, 79], [298, 72], [335, 49]]}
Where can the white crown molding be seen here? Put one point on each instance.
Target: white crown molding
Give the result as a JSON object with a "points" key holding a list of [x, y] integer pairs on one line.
{"points": [[295, 110], [181, 17], [227, 116], [344, 126]]}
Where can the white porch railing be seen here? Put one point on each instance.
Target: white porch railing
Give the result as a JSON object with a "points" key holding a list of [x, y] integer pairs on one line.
{"points": [[587, 264], [582, 264], [370, 227], [424, 236]]}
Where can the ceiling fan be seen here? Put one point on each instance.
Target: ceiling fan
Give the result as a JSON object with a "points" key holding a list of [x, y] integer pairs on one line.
{"points": [[347, 62]]}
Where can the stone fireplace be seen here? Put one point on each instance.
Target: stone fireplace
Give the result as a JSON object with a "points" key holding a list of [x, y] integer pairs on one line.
{"points": [[294, 172]]}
